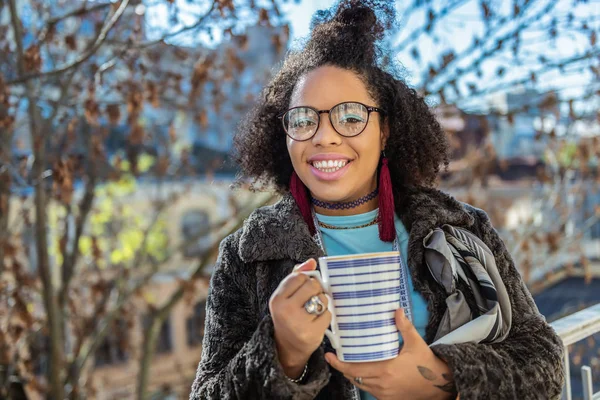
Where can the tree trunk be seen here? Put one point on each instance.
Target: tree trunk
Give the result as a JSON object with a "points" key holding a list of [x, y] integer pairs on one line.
{"points": [[53, 314], [148, 348], [41, 233], [5, 186]]}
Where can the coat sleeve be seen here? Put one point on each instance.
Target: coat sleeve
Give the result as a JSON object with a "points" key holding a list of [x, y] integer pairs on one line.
{"points": [[528, 364], [239, 356]]}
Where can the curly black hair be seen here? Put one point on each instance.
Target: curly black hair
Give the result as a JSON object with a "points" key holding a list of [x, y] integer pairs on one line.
{"points": [[349, 36]]}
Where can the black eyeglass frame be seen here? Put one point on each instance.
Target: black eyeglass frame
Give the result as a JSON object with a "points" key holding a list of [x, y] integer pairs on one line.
{"points": [[370, 109]]}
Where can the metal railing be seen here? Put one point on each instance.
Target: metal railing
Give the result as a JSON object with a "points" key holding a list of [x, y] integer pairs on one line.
{"points": [[572, 329]]}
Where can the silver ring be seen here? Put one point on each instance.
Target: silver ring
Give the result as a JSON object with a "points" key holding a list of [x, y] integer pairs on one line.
{"points": [[314, 306], [358, 380]]}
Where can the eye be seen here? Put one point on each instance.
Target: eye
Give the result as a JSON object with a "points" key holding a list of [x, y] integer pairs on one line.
{"points": [[351, 119], [301, 123]]}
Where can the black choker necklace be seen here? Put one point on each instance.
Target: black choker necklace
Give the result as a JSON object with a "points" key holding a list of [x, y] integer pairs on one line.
{"points": [[348, 205]]}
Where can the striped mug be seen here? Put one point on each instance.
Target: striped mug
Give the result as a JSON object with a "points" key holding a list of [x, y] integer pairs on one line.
{"points": [[363, 292]]}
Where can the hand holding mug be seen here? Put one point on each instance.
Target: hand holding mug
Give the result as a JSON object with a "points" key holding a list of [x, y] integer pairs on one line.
{"points": [[297, 333]]}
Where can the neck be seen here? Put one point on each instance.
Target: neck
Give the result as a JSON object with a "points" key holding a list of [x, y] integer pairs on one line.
{"points": [[363, 208], [366, 203]]}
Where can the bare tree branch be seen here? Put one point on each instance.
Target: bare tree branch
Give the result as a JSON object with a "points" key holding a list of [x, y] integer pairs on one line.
{"points": [[108, 65], [414, 35], [64, 94], [70, 260], [78, 12], [499, 43], [588, 55], [195, 25], [83, 57]]}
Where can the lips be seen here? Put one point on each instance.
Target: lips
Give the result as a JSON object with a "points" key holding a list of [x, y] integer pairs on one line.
{"points": [[330, 174], [329, 166]]}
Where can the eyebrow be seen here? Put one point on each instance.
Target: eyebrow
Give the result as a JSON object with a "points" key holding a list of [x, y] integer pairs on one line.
{"points": [[365, 102]]}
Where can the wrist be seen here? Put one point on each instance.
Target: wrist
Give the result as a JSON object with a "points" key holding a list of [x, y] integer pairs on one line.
{"points": [[292, 364], [295, 371], [447, 383], [288, 357], [300, 378]]}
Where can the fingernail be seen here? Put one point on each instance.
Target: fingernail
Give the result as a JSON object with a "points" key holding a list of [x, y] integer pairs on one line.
{"points": [[298, 266]]}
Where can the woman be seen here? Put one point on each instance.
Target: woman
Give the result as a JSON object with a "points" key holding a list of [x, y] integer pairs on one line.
{"points": [[355, 154]]}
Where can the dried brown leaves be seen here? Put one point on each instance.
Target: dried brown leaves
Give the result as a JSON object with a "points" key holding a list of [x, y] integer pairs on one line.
{"points": [[32, 59], [6, 119], [62, 185]]}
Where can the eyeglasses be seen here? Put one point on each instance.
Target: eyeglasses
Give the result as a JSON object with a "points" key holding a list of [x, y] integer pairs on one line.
{"points": [[348, 119]]}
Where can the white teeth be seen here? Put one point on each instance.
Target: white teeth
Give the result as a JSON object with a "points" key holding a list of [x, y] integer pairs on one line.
{"points": [[329, 165]]}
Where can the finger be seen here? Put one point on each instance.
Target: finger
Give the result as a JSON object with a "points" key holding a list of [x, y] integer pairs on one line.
{"points": [[290, 284], [364, 381], [310, 288], [324, 299], [364, 370], [325, 318], [343, 367], [407, 330], [308, 265]]}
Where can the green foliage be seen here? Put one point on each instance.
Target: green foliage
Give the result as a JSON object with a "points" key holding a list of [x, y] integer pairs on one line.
{"points": [[119, 224]]}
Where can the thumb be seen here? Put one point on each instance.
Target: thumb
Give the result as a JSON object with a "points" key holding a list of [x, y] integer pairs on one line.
{"points": [[308, 265], [407, 329]]}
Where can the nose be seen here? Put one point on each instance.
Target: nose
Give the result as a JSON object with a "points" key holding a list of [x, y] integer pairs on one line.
{"points": [[326, 135]]}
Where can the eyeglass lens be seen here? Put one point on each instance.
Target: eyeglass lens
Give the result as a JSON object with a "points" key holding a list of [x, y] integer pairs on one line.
{"points": [[348, 119]]}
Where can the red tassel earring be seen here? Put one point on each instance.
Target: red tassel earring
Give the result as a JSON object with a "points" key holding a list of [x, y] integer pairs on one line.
{"points": [[300, 194], [387, 229]]}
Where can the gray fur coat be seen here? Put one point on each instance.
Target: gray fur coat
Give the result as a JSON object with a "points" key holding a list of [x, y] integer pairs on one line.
{"points": [[239, 358]]}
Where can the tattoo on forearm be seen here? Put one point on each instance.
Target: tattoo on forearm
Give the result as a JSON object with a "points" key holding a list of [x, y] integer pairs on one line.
{"points": [[449, 377], [427, 373], [447, 387]]}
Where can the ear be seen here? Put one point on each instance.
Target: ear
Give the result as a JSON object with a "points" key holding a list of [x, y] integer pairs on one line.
{"points": [[385, 133]]}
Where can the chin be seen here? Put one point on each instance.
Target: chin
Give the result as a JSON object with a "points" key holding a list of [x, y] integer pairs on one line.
{"points": [[329, 192]]}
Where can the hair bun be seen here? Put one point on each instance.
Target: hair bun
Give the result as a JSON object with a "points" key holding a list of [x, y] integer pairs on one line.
{"points": [[359, 15], [372, 17], [352, 26]]}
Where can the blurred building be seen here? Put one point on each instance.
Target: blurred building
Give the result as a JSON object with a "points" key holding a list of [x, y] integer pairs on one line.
{"points": [[514, 122], [465, 131], [176, 356]]}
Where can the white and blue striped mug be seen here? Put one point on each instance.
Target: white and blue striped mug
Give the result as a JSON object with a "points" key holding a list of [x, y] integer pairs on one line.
{"points": [[363, 292]]}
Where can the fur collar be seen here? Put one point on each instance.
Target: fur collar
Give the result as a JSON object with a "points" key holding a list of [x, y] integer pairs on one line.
{"points": [[281, 225]]}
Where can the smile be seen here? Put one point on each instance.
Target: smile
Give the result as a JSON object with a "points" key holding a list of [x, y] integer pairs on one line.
{"points": [[329, 165], [329, 170]]}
